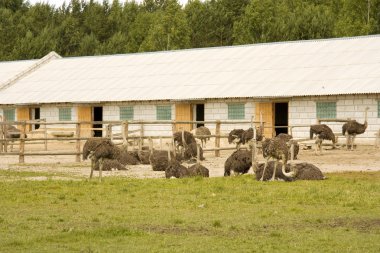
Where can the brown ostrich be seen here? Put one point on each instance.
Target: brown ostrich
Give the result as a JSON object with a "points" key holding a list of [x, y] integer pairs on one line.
{"points": [[289, 141], [183, 138], [12, 132], [322, 132], [353, 128], [204, 132], [238, 162], [190, 152], [98, 150], [174, 168], [235, 136], [110, 164], [276, 149], [198, 169], [248, 134], [305, 171]]}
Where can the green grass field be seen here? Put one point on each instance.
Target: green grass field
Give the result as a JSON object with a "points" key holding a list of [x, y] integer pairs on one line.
{"points": [[237, 214]]}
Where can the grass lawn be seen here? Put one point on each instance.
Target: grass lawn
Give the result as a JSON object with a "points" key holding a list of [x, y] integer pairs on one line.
{"points": [[237, 214]]}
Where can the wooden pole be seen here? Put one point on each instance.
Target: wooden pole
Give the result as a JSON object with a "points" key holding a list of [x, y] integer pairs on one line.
{"points": [[217, 138], [5, 139], [77, 130], [45, 135], [22, 143], [125, 134], [142, 133], [173, 127]]}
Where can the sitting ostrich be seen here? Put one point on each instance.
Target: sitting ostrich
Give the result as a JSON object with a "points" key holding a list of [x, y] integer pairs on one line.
{"points": [[323, 132], [238, 162], [352, 128], [202, 131], [235, 136], [305, 171], [277, 149]]}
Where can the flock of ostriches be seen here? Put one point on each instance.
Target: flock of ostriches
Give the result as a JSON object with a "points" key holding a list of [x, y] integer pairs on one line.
{"points": [[105, 155]]}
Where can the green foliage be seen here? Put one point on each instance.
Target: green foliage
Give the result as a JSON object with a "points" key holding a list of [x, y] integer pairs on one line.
{"points": [[90, 27], [234, 214]]}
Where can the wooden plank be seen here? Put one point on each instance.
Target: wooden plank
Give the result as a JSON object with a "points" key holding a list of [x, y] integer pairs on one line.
{"points": [[183, 112], [85, 114], [267, 110], [23, 114]]}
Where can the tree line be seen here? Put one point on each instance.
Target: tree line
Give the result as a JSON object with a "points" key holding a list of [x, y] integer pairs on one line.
{"points": [[90, 28]]}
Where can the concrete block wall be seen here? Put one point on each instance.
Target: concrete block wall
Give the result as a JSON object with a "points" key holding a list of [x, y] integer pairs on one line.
{"points": [[219, 111], [303, 111], [145, 112], [51, 114]]}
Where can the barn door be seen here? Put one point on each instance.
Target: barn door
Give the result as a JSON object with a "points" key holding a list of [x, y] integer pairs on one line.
{"points": [[183, 112], [23, 113], [85, 114], [268, 117]]}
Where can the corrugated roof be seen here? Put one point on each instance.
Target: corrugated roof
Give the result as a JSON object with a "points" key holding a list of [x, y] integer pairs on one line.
{"points": [[305, 68], [9, 69]]}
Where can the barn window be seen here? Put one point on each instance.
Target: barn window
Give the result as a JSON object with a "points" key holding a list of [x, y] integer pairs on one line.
{"points": [[64, 114], [9, 114], [164, 112], [326, 110], [236, 111], [126, 113]]}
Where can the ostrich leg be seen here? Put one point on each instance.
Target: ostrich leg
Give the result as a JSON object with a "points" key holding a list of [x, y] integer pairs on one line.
{"points": [[100, 169], [352, 142], [320, 146], [92, 167], [347, 139], [274, 170], [265, 167], [317, 145]]}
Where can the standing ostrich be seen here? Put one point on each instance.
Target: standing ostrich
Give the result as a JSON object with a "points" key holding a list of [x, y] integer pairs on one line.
{"points": [[277, 149], [289, 141], [323, 132], [248, 134], [203, 131], [236, 136], [352, 128], [98, 150]]}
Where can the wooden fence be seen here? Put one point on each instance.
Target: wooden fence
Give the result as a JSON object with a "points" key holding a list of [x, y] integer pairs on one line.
{"points": [[124, 137]]}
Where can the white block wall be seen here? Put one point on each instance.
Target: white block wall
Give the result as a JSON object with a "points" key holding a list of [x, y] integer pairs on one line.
{"points": [[219, 111], [303, 111], [141, 112], [51, 113]]}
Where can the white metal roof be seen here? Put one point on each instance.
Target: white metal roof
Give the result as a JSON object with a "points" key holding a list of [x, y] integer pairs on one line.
{"points": [[9, 69], [304, 68]]}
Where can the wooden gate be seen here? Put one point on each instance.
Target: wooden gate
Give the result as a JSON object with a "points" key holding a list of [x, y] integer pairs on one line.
{"points": [[184, 112], [85, 114], [267, 110]]}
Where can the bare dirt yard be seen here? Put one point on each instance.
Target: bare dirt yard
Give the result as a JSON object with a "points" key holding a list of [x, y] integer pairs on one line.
{"points": [[364, 158]]}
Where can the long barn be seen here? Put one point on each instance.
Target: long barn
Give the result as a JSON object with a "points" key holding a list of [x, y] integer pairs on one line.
{"points": [[291, 83]]}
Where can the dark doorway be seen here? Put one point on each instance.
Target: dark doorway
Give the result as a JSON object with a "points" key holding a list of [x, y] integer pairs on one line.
{"points": [[200, 114], [36, 117], [98, 116], [281, 117]]}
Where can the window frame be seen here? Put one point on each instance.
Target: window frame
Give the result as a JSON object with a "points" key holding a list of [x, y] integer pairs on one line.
{"points": [[159, 112], [325, 114], [232, 113], [13, 110], [61, 113], [131, 114]]}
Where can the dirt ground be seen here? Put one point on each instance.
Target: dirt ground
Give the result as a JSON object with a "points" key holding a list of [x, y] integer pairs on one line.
{"points": [[364, 158]]}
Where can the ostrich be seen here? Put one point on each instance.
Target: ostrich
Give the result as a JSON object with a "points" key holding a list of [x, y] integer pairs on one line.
{"points": [[305, 171], [203, 131], [183, 138], [239, 162], [198, 169], [235, 136], [352, 128], [11, 132], [248, 134], [277, 149], [98, 150], [289, 141], [323, 132]]}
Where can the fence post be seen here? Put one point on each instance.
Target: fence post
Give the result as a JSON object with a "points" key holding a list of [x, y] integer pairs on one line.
{"points": [[109, 132], [217, 138], [173, 126], [142, 133], [124, 133], [5, 139], [22, 143], [45, 134], [77, 157]]}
